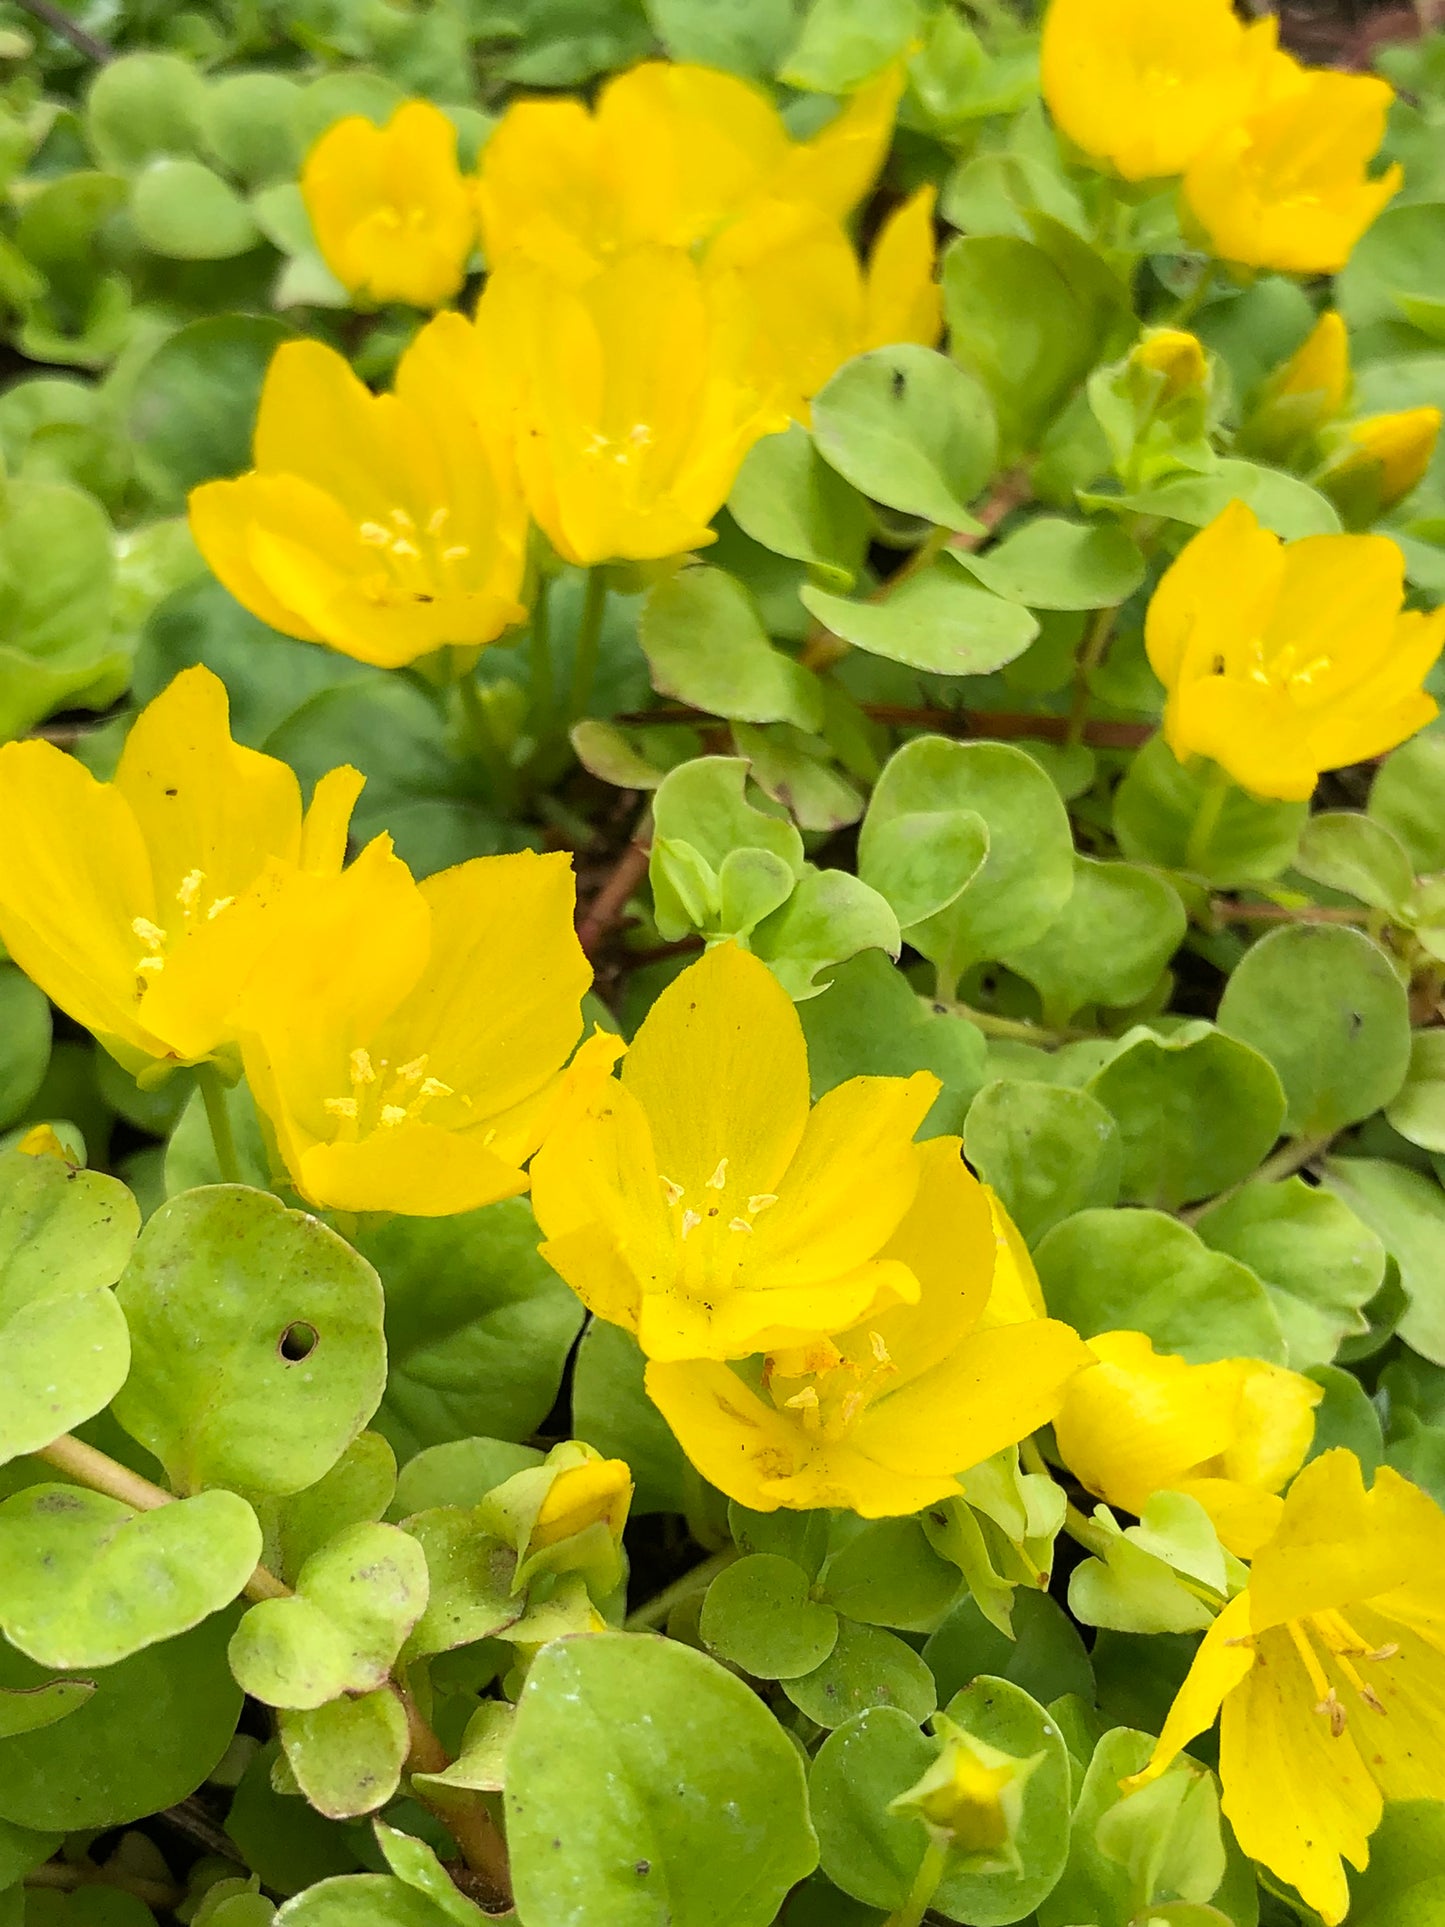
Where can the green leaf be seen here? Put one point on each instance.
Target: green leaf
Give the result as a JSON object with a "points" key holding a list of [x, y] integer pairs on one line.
{"points": [[1197, 1111], [872, 1853], [702, 824], [1394, 272], [923, 860], [870, 1023], [354, 1604], [364, 1900], [1408, 797], [257, 1353], [910, 429], [1051, 563], [413, 1861], [1135, 1587], [183, 210], [611, 1410], [1028, 874], [1417, 1111], [1141, 1271], [746, 37], [1324, 1005], [142, 105], [645, 1784], [86, 1581], [1004, 1716], [288, 1843], [26, 1709], [1047, 1150], [1045, 1657], [1318, 1262], [706, 645], [57, 581], [461, 1472], [867, 1667], [934, 620], [194, 402], [794, 769], [1406, 1211], [830, 916], [478, 1326], [889, 1575], [1109, 944], [1404, 1884], [148, 1735], [1282, 503], [24, 1042], [248, 124], [1356, 854], [347, 1756], [793, 502], [357, 1490], [21, 1850], [470, 1578], [758, 1614], [1155, 808], [845, 42], [64, 1239]]}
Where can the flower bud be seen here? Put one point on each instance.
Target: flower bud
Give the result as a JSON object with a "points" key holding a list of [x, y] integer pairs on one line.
{"points": [[1378, 461], [1303, 395], [971, 1798], [565, 1515]]}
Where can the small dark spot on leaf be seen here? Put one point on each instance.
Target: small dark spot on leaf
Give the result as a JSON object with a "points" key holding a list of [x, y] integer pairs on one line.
{"points": [[298, 1341], [643, 1869], [1356, 1022], [900, 384]]}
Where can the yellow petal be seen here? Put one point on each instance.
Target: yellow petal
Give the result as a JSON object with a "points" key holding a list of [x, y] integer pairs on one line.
{"points": [[836, 168], [721, 1070], [221, 516], [541, 188], [1222, 1661], [903, 299], [946, 1239], [1220, 590], [1331, 1547], [1251, 729], [742, 1319], [1138, 1421], [327, 822], [1016, 1293], [413, 1167]]}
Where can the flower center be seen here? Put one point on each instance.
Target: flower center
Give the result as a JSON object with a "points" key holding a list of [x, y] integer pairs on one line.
{"points": [[836, 1388], [193, 908], [1343, 1646], [710, 1203], [418, 561], [382, 1097]]}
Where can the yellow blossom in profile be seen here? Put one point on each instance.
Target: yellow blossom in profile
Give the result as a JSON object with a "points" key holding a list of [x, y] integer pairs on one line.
{"points": [[1328, 1674], [1231, 1433], [142, 905], [702, 1204], [634, 398], [392, 215], [595, 1492], [882, 1417], [1288, 186], [1379, 460], [1144, 86], [411, 1050], [670, 155], [1310, 390], [1285, 659], [386, 526], [1176, 356]]}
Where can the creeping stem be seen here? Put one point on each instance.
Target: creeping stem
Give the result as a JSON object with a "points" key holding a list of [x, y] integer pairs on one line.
{"points": [[218, 1116], [589, 645]]}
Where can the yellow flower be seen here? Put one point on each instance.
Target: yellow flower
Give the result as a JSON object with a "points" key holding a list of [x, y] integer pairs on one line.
{"points": [[1379, 460], [1287, 187], [670, 155], [392, 215], [700, 1202], [635, 399], [1175, 355], [386, 526], [141, 906], [1231, 1434], [408, 1052], [1328, 1672], [1310, 390], [1143, 85], [594, 1492], [881, 1418], [1285, 660]]}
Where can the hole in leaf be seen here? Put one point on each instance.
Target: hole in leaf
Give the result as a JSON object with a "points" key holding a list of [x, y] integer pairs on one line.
{"points": [[298, 1341]]}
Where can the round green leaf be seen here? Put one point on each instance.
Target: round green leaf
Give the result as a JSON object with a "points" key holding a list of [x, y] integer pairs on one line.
{"points": [[193, 405], [347, 1756], [1324, 1005], [24, 1042], [1051, 563], [830, 917], [1197, 1111], [65, 1235], [152, 1730], [872, 1854], [1047, 1150], [284, 1840], [1357, 854], [1417, 1111], [362, 1900], [1319, 1263], [469, 1578], [611, 1410], [357, 1490], [249, 125], [1404, 1884], [86, 1581], [759, 1615], [142, 105], [1282, 502], [1028, 874], [1406, 1211], [1109, 943], [1155, 809], [257, 1350], [910, 429], [706, 644], [648, 1787], [1141, 1271], [478, 1327], [1045, 1657], [185, 211], [889, 1575], [354, 1604], [867, 1667], [1394, 273], [934, 620], [789, 499], [1408, 797]]}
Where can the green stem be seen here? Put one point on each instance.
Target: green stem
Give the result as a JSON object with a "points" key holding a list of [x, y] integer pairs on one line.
{"points": [[925, 1886], [655, 1612], [1206, 819], [501, 777], [1090, 656], [1192, 302], [589, 645], [1016, 1029], [544, 693], [218, 1116]]}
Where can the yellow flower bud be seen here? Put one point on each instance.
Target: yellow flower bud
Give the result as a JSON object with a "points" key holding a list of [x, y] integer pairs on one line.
{"points": [[392, 215], [1379, 461], [971, 1798], [596, 1492], [1320, 367], [1176, 355]]}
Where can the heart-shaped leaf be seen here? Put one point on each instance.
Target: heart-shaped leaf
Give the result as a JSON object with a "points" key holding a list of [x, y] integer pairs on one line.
{"points": [[347, 1756]]}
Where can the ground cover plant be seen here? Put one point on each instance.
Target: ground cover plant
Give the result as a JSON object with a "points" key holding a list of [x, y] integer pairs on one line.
{"points": [[722, 868]]}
